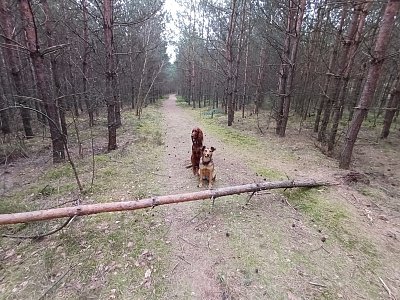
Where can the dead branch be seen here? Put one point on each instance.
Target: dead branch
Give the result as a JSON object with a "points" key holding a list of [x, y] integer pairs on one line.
{"points": [[90, 209], [317, 284], [387, 289], [55, 284], [36, 237]]}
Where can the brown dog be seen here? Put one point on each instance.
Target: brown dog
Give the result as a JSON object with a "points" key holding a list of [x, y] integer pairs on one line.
{"points": [[197, 145], [206, 168]]}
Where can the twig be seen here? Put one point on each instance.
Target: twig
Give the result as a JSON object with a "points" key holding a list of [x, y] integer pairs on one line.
{"points": [[317, 284], [387, 289], [182, 258], [173, 269], [163, 175], [321, 247], [57, 282], [287, 202], [248, 200], [193, 217], [213, 200], [70, 219], [326, 250]]}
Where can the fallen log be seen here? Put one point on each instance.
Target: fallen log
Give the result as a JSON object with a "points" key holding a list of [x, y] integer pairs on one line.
{"points": [[90, 209]]}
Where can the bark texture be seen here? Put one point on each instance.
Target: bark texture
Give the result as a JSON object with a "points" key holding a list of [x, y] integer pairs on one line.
{"points": [[374, 71]]}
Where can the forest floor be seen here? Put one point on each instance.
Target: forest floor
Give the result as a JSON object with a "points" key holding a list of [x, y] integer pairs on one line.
{"points": [[337, 242]]}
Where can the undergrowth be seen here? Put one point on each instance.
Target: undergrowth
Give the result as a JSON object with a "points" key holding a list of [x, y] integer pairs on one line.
{"points": [[100, 256]]}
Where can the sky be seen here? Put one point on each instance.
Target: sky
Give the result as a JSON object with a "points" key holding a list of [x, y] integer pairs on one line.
{"points": [[173, 8]]}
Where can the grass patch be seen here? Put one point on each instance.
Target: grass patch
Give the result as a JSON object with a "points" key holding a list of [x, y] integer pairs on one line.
{"points": [[231, 135], [8, 206], [330, 216], [269, 174], [100, 256], [58, 171]]}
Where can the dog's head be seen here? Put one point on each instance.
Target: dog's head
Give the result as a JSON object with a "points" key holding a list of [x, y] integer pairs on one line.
{"points": [[197, 136], [207, 153]]}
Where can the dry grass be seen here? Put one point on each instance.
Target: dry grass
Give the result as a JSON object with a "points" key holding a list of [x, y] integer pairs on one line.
{"points": [[101, 256]]}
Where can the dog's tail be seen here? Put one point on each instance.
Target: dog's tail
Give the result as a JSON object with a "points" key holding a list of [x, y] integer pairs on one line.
{"points": [[189, 166]]}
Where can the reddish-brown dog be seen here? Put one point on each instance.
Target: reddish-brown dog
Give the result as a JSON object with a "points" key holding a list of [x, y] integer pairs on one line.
{"points": [[197, 145]]}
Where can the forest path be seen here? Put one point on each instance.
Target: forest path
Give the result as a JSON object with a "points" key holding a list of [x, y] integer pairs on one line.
{"points": [[198, 236], [267, 249]]}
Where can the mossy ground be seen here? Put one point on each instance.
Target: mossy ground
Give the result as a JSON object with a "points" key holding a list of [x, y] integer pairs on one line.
{"points": [[99, 256]]}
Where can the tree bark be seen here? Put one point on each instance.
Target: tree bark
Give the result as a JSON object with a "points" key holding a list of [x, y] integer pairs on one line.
{"points": [[351, 43], [327, 101], [13, 66], [85, 69], [49, 26], [295, 20], [391, 107], [374, 71], [260, 80], [229, 60], [110, 74], [43, 83], [4, 115], [90, 209]]}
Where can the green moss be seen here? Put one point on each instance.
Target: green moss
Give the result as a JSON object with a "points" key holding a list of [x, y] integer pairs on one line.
{"points": [[9, 205], [331, 216], [58, 171], [102, 250], [269, 174], [231, 135]]}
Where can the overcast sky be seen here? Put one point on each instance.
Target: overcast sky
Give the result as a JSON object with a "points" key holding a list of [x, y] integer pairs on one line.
{"points": [[172, 7]]}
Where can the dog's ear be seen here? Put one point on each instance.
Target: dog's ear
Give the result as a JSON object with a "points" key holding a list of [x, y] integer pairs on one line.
{"points": [[204, 147], [213, 149]]}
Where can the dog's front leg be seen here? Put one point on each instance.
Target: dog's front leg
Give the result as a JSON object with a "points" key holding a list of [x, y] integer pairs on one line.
{"points": [[210, 180], [200, 178]]}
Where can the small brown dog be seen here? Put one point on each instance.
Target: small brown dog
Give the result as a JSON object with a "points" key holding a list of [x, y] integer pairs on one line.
{"points": [[197, 145], [206, 168]]}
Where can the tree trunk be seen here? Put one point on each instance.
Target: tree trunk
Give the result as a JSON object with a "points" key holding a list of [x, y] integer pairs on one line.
{"points": [[260, 80], [49, 25], [29, 26], [391, 107], [229, 60], [374, 71], [71, 80], [4, 115], [351, 43], [241, 39], [356, 90], [91, 209], [245, 79], [13, 66], [295, 20], [85, 70], [327, 99], [110, 74]]}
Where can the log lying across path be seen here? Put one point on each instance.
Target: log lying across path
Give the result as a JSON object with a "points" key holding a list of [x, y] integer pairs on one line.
{"points": [[90, 209]]}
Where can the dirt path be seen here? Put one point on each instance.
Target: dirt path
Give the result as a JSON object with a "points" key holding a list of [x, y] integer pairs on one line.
{"points": [[194, 237], [210, 256], [266, 250], [197, 233]]}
